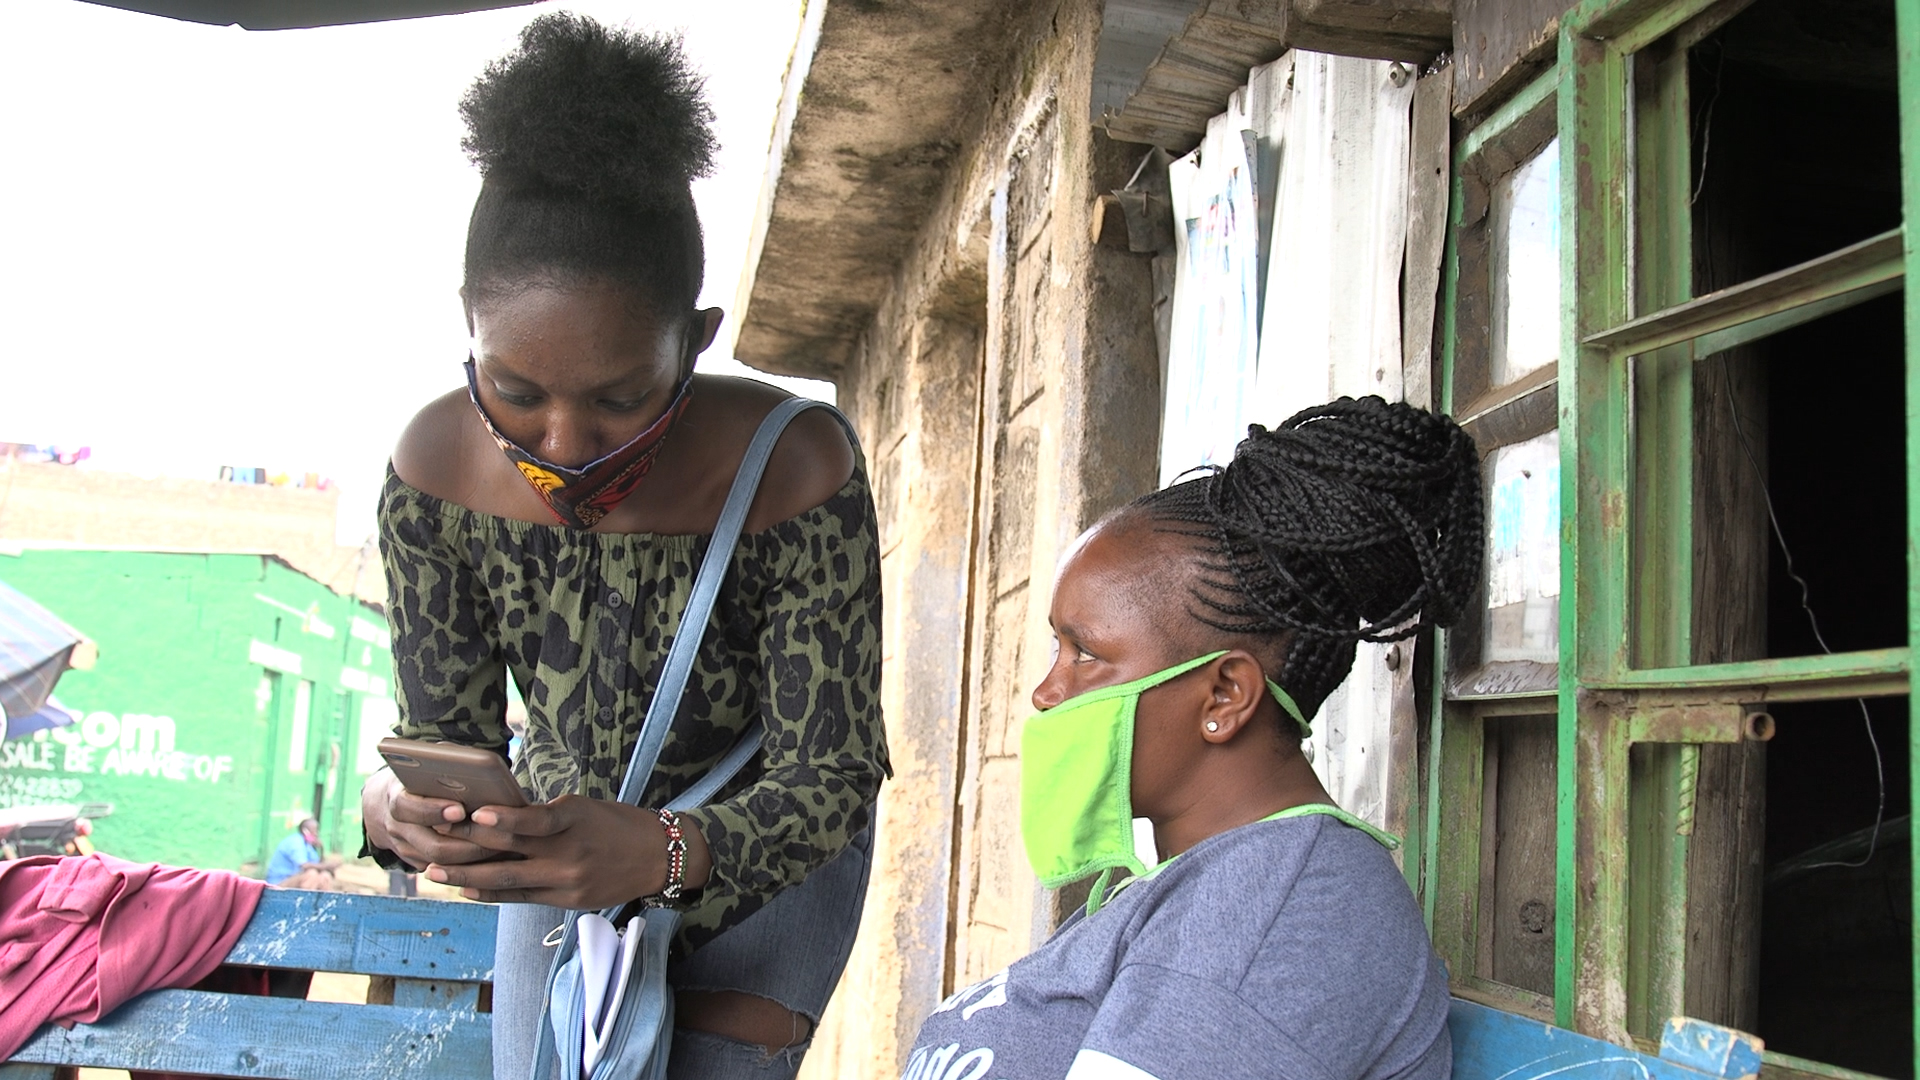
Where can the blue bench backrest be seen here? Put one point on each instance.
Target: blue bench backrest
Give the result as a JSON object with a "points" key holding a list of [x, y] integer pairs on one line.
{"points": [[438, 953], [1489, 1044]]}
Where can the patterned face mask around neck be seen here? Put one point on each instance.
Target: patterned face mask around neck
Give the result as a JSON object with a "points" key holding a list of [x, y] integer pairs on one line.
{"points": [[1076, 781], [581, 497]]}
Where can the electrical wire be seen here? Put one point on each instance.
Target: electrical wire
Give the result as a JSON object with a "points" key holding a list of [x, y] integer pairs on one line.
{"points": [[1706, 126], [1813, 621]]}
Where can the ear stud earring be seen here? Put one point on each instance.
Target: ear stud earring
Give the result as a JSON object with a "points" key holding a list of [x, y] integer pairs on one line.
{"points": [[1213, 725]]}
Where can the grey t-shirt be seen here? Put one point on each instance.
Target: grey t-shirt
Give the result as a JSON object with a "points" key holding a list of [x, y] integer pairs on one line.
{"points": [[1287, 949]]}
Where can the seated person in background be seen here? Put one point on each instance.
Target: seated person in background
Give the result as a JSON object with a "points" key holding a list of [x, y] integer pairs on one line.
{"points": [[1198, 630], [299, 851]]}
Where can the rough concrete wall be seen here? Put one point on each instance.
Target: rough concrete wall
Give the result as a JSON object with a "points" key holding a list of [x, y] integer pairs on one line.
{"points": [[63, 504], [914, 395], [1008, 394], [889, 95], [1072, 418]]}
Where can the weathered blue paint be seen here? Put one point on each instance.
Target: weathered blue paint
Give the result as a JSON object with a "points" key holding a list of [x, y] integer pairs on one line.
{"points": [[369, 935], [1721, 1051], [1489, 1044], [207, 1034], [438, 953]]}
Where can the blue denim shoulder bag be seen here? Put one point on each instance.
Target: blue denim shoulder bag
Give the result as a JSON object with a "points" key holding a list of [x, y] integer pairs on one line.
{"points": [[642, 1033]]}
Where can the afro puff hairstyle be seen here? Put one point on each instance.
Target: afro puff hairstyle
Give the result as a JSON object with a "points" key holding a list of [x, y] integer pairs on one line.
{"points": [[588, 139]]}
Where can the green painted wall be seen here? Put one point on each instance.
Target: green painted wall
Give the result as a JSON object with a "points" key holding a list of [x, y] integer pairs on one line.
{"points": [[232, 695]]}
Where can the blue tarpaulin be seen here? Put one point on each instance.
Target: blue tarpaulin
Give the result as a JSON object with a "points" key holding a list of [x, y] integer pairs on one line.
{"points": [[35, 648]]}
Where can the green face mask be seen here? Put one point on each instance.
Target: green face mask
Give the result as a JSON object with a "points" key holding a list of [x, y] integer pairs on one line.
{"points": [[1076, 779]]}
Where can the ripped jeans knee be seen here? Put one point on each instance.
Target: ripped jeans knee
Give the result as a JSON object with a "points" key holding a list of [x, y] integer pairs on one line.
{"points": [[742, 1016], [702, 1055], [735, 1035]]}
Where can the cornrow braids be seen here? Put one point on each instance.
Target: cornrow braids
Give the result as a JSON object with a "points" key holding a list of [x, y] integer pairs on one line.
{"points": [[1358, 520]]}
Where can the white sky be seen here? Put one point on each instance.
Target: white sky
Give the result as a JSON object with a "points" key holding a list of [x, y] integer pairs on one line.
{"points": [[223, 247]]}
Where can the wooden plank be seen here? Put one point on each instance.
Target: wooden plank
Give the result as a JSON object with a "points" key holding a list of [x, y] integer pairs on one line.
{"points": [[1855, 269], [1495, 399], [1642, 24], [1429, 183], [1402, 796], [1486, 889], [1522, 894], [426, 994], [1490, 1044], [1503, 997], [1731, 552], [196, 1032], [1724, 885], [1131, 33], [1520, 107], [1777, 1066], [1840, 675], [1195, 73], [1711, 1048], [1720, 341], [1454, 855], [1501, 44], [369, 935]]}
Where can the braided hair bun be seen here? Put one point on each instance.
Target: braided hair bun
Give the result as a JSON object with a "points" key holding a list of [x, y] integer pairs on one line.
{"points": [[588, 139], [1358, 520], [598, 112]]}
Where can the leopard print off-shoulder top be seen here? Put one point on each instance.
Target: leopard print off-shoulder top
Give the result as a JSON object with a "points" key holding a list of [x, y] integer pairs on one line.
{"points": [[583, 621]]}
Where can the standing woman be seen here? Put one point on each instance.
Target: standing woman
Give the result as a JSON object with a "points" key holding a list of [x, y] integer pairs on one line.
{"points": [[545, 522]]}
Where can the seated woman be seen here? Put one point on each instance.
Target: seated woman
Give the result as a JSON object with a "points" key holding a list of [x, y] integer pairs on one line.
{"points": [[1198, 630]]}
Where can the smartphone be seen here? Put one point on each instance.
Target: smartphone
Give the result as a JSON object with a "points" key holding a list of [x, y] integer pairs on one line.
{"points": [[465, 774]]}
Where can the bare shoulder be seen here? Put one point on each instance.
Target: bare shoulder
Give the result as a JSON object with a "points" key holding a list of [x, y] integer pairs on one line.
{"points": [[813, 460], [435, 451]]}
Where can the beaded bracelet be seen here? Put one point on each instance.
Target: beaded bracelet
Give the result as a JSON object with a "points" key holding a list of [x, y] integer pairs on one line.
{"points": [[676, 857]]}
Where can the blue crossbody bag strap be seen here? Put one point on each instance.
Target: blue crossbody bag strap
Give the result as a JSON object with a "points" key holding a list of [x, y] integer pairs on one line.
{"points": [[706, 586], [653, 736]]}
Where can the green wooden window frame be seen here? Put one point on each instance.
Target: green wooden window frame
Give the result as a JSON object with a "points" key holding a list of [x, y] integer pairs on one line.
{"points": [[1470, 694], [1631, 329]]}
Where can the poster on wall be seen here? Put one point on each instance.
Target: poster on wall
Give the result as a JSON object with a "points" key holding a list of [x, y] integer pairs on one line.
{"points": [[1214, 341], [1523, 552]]}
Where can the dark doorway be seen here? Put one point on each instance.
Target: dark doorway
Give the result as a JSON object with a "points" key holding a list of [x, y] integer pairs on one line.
{"points": [[1796, 150]]}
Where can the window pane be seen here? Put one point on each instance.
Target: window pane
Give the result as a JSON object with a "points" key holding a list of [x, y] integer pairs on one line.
{"points": [[1526, 266], [1523, 551], [1800, 520], [1820, 78], [1835, 949]]}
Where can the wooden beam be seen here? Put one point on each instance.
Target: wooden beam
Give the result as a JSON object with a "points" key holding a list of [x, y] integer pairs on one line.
{"points": [[1848, 276], [1870, 672], [1200, 67]]}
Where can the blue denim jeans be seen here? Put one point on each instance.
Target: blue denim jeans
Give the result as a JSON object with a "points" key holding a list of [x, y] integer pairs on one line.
{"points": [[791, 951]]}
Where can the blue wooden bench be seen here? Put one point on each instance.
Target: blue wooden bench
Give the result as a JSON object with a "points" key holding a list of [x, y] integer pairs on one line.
{"points": [[1489, 1044], [436, 957]]}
